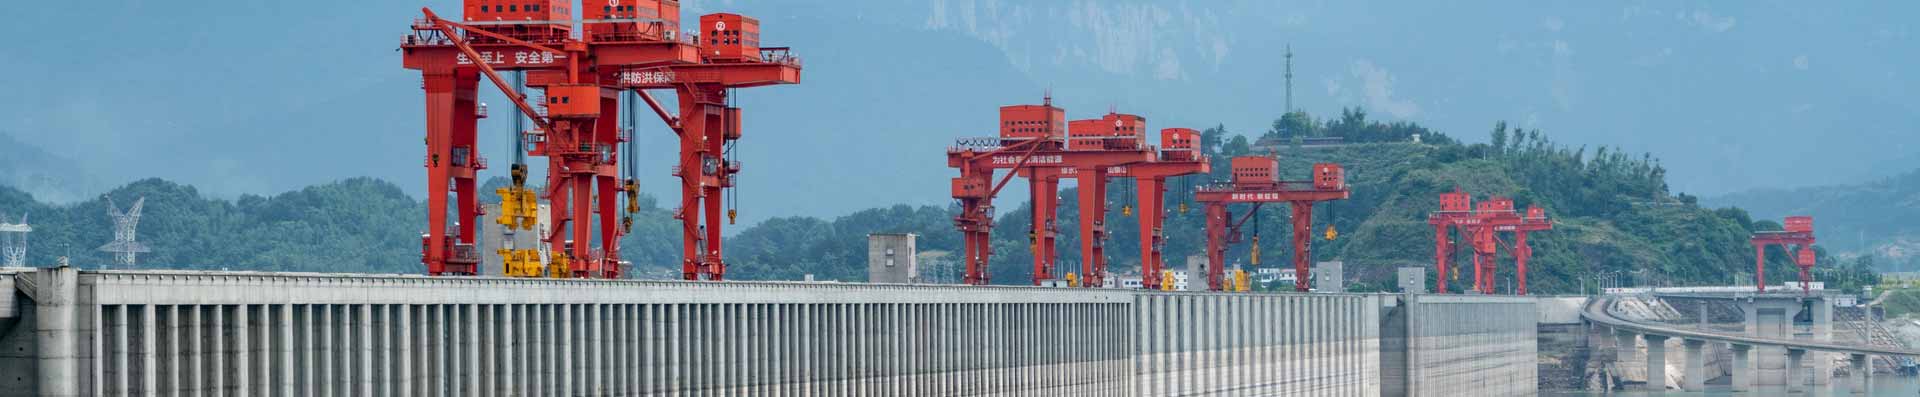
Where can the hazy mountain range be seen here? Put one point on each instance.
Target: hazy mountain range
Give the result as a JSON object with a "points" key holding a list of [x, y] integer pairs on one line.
{"points": [[241, 97], [1880, 217]]}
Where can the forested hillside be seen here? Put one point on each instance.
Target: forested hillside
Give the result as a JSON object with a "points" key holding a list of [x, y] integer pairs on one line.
{"points": [[1612, 211], [1879, 218], [354, 225]]}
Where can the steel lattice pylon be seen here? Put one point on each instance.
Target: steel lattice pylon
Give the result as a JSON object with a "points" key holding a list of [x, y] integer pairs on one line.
{"points": [[123, 246], [13, 242]]}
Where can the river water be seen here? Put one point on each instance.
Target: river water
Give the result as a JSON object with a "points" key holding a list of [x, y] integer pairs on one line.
{"points": [[1885, 385]]}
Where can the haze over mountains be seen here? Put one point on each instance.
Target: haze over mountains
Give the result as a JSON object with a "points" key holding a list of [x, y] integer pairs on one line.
{"points": [[1880, 217], [263, 97]]}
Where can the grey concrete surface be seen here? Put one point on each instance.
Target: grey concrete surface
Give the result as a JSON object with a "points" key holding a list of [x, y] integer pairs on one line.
{"points": [[1461, 345], [242, 333]]}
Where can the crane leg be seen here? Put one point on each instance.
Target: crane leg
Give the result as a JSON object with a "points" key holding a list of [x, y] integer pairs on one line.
{"points": [[1521, 252], [607, 198], [1045, 201], [1760, 267], [559, 200], [1302, 243], [693, 125], [440, 105], [1150, 219], [1093, 214], [584, 261], [1441, 247], [1216, 244], [606, 180], [466, 162], [716, 139]]}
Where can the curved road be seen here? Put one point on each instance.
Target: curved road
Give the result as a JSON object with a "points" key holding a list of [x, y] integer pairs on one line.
{"points": [[1596, 311]]}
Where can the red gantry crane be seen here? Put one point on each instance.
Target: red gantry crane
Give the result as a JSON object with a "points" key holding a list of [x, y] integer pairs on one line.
{"points": [[1179, 155], [1256, 180], [1797, 239], [1481, 226], [1115, 132], [709, 125], [636, 45], [1492, 217], [1031, 144], [1455, 209]]}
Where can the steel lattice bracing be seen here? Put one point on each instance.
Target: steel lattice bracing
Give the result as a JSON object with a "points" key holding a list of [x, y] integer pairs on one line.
{"points": [[124, 247], [13, 242]]}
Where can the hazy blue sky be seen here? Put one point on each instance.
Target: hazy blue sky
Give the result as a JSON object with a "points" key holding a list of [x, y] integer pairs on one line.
{"points": [[264, 96]]}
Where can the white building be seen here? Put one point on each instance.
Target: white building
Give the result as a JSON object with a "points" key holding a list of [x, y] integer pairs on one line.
{"points": [[1275, 274]]}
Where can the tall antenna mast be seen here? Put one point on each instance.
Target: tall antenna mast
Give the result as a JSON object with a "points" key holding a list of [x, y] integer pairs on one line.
{"points": [[13, 242], [1289, 78], [123, 246]]}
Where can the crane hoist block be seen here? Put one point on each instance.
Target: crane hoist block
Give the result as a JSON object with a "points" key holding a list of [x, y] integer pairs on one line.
{"points": [[1329, 176], [1256, 170], [573, 101], [1800, 224], [632, 20], [732, 122], [972, 188], [1032, 122], [1456, 202], [509, 208], [728, 36]]}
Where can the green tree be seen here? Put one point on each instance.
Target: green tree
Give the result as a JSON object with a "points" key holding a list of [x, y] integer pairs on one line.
{"points": [[1292, 125], [1499, 140], [1238, 146]]}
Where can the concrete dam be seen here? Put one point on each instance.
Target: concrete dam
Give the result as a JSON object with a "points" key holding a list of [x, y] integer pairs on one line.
{"points": [[66, 332]]}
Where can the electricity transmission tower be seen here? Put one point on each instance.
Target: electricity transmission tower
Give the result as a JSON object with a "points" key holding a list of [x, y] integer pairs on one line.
{"points": [[123, 246], [13, 241]]}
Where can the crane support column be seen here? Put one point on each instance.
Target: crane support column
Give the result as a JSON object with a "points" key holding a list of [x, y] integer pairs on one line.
{"points": [[1483, 259], [1152, 213], [1760, 266], [451, 162], [1442, 250], [1093, 225], [1521, 252], [1046, 197], [1302, 240], [1217, 224], [702, 174]]}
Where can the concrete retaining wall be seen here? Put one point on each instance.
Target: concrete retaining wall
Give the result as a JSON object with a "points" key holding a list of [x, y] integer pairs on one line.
{"points": [[1245, 344], [135, 333], [1471, 345]]}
